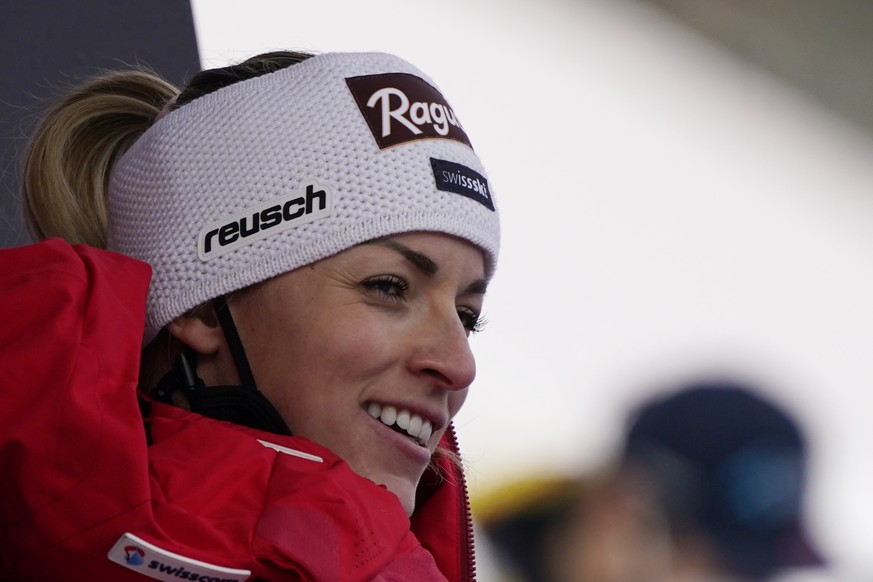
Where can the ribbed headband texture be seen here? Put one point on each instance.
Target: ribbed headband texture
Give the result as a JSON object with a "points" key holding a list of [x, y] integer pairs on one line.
{"points": [[277, 172]]}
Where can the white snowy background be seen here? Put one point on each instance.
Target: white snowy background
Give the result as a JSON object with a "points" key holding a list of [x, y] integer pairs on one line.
{"points": [[666, 210]]}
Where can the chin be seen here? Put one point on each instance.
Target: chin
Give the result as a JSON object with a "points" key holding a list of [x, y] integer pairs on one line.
{"points": [[403, 489], [400, 479]]}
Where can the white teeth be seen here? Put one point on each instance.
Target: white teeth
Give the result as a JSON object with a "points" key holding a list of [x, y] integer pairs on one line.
{"points": [[388, 416], [403, 419], [415, 426], [426, 431]]}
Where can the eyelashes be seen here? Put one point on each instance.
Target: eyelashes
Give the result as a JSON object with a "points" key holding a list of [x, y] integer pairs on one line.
{"points": [[395, 289], [388, 286], [473, 322]]}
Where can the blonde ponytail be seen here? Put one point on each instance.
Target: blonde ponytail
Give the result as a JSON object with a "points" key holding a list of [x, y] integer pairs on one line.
{"points": [[70, 155]]}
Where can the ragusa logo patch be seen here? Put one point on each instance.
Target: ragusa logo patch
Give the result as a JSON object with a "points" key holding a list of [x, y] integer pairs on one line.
{"points": [[399, 108]]}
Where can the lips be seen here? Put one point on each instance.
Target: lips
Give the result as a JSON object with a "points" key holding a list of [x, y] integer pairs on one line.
{"points": [[403, 421]]}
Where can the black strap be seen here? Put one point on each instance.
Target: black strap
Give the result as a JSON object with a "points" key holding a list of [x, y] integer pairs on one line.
{"points": [[234, 342], [244, 404], [241, 405], [145, 411]]}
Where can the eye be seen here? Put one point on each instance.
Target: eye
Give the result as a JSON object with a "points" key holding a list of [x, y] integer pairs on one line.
{"points": [[387, 286], [472, 321]]}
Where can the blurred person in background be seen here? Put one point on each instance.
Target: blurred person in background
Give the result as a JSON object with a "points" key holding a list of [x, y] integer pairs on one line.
{"points": [[709, 487]]}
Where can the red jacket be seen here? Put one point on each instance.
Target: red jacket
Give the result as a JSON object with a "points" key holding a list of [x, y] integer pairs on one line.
{"points": [[83, 497]]}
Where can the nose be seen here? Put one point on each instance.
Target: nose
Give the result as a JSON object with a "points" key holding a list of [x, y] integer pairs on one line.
{"points": [[442, 351]]}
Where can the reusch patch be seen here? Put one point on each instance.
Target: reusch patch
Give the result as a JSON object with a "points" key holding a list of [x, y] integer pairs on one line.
{"points": [[311, 201], [400, 108], [459, 179]]}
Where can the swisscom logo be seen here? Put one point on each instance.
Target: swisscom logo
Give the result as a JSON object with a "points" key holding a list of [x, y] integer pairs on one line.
{"points": [[400, 107], [133, 555], [145, 558]]}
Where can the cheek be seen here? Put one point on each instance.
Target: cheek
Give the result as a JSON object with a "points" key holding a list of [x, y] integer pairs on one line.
{"points": [[456, 401], [357, 343], [304, 333], [327, 360]]}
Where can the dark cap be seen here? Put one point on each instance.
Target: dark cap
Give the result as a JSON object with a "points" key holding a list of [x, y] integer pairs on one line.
{"points": [[733, 464]]}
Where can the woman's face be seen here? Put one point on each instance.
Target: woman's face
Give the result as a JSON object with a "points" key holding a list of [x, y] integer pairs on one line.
{"points": [[354, 345]]}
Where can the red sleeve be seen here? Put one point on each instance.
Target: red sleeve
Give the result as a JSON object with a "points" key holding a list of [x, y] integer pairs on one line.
{"points": [[76, 472], [70, 436]]}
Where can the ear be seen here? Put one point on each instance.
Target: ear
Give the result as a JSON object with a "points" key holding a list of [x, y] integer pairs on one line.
{"points": [[202, 334]]}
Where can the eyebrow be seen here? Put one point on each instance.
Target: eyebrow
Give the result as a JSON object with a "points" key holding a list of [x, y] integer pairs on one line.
{"points": [[425, 264], [421, 261]]}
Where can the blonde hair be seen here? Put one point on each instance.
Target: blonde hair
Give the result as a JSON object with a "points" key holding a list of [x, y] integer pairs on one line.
{"points": [[77, 141], [71, 153]]}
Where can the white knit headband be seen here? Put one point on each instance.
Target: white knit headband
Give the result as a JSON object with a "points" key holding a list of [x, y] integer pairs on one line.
{"points": [[276, 172]]}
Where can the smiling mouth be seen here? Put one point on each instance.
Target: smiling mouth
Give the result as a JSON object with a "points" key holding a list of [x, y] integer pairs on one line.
{"points": [[403, 422]]}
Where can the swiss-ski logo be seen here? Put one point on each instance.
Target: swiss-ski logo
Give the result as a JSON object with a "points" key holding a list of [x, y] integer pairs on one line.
{"points": [[459, 179], [399, 108]]}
